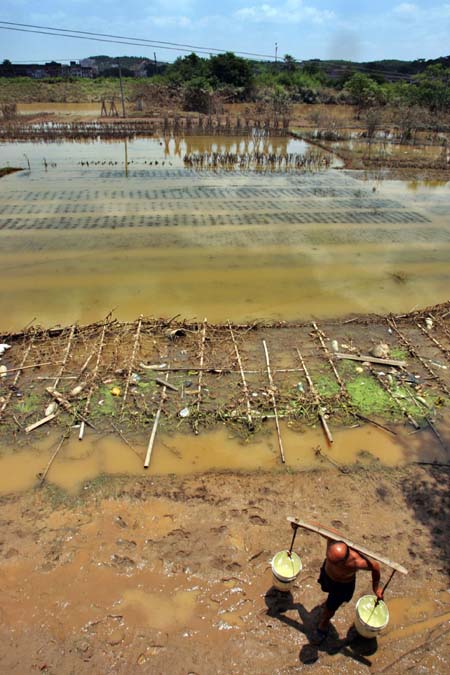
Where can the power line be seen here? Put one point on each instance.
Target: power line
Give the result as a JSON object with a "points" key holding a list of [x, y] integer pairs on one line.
{"points": [[98, 37]]}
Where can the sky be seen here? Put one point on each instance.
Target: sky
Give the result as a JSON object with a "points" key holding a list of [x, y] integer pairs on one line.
{"points": [[358, 30]]}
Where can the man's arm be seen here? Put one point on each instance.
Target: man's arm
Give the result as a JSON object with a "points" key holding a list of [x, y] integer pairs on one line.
{"points": [[374, 567]]}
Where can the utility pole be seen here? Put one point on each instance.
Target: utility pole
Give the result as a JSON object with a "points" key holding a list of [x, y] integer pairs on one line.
{"points": [[156, 63], [276, 52], [121, 90]]}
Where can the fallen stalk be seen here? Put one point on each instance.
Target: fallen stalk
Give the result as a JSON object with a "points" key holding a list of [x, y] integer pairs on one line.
{"points": [[316, 399], [274, 403]]}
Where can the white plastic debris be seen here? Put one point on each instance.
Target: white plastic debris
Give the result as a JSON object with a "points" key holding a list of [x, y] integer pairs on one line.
{"points": [[3, 348], [429, 322], [3, 371], [184, 412], [335, 345]]}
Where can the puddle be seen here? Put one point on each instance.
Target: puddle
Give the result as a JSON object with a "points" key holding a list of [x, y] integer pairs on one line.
{"points": [[60, 108], [215, 450], [197, 243], [163, 611]]}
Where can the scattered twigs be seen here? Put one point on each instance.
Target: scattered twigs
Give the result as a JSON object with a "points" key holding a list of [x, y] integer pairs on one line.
{"points": [[16, 379], [433, 340], [316, 399], [125, 440], [274, 402], [244, 381], [155, 427], [344, 393], [200, 375], [388, 390], [441, 324], [131, 366], [392, 324], [64, 403], [65, 435], [94, 377]]}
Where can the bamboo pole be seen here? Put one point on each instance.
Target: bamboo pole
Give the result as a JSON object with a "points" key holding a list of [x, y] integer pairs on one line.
{"points": [[64, 403], [316, 399], [274, 403], [94, 376], [320, 335], [155, 427], [336, 536], [244, 381], [200, 374], [16, 379], [130, 369], [65, 357], [33, 365], [65, 435]]}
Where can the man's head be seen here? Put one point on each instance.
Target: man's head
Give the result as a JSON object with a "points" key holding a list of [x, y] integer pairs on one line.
{"points": [[338, 552]]}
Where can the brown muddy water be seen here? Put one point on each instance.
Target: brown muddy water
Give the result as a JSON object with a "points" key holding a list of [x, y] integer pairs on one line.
{"points": [[88, 109], [98, 225], [215, 450]]}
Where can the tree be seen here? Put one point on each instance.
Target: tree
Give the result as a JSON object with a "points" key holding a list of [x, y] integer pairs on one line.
{"points": [[228, 68], [289, 63], [432, 87], [187, 68], [364, 91]]}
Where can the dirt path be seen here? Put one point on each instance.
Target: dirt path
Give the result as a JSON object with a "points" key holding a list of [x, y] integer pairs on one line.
{"points": [[172, 575]]}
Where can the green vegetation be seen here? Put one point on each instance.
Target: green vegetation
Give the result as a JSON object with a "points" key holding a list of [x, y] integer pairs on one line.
{"points": [[193, 79]]}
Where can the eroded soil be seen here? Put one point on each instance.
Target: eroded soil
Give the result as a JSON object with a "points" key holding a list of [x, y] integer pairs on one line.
{"points": [[171, 574]]}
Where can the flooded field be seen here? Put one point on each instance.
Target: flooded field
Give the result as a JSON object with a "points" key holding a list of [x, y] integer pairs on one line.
{"points": [[97, 226]]}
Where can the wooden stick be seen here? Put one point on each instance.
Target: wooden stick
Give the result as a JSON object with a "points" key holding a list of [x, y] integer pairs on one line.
{"points": [[94, 376], [320, 335], [155, 427], [16, 379], [33, 365], [130, 369], [163, 383], [372, 359], [65, 357], [334, 536], [40, 422], [200, 374], [53, 457], [316, 400], [274, 403], [125, 440], [244, 381]]}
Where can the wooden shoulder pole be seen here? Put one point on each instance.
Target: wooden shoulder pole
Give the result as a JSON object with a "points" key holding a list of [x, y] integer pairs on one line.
{"points": [[335, 536]]}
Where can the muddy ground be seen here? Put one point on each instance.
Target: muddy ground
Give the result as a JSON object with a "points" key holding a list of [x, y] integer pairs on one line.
{"points": [[172, 575]]}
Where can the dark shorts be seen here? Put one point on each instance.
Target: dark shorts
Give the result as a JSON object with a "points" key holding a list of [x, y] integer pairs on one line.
{"points": [[338, 592]]}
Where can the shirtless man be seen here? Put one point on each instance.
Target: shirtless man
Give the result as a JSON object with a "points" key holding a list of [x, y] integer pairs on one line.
{"points": [[337, 578]]}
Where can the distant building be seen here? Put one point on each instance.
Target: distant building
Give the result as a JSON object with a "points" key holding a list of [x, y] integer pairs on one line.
{"points": [[40, 71]]}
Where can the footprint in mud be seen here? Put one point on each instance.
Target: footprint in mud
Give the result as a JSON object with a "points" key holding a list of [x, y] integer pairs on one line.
{"points": [[122, 562], [178, 533], [219, 530], [126, 543], [257, 520]]}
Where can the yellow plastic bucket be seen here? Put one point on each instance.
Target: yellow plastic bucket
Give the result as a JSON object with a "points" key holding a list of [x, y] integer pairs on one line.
{"points": [[370, 620], [285, 570]]}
